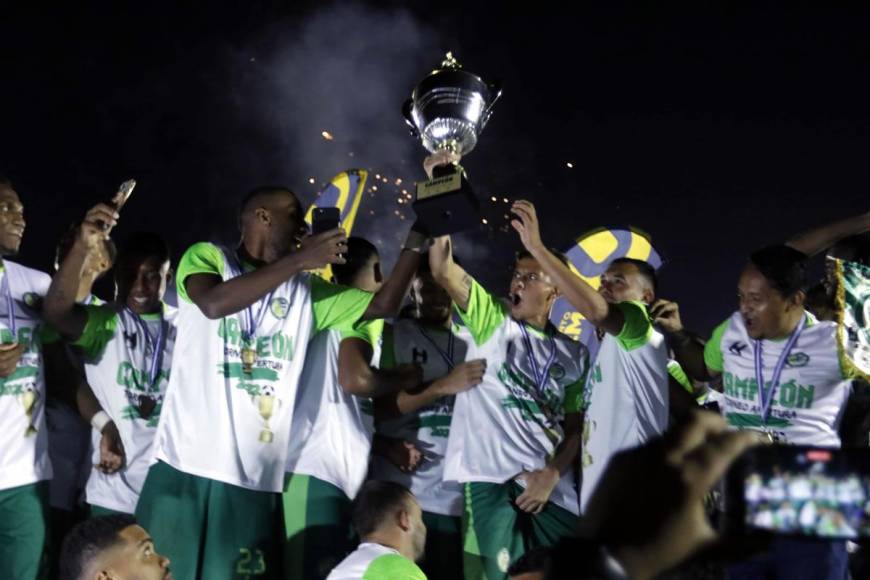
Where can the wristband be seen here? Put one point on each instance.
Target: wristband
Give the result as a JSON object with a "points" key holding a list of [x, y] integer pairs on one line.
{"points": [[100, 420]]}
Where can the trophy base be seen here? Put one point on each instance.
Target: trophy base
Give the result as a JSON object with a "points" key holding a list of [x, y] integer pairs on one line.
{"points": [[446, 203]]}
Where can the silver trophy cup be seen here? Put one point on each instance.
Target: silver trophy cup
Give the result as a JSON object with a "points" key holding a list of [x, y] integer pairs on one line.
{"points": [[447, 111]]}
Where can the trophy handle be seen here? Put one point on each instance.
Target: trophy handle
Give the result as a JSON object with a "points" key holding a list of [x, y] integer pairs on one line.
{"points": [[495, 89], [409, 118]]}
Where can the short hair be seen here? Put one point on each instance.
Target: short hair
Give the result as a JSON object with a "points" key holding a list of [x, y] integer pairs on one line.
{"points": [[536, 560], [645, 269], [359, 251], [87, 539], [375, 503], [784, 267], [257, 192], [69, 238], [562, 257], [144, 245]]}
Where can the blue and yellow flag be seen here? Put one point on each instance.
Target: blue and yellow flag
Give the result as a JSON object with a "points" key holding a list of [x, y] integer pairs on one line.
{"points": [[589, 257], [345, 191], [853, 318]]}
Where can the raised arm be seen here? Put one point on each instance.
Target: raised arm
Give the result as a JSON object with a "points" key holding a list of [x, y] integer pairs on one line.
{"points": [[388, 300], [581, 295], [448, 273], [688, 348], [821, 238], [217, 298], [60, 308]]}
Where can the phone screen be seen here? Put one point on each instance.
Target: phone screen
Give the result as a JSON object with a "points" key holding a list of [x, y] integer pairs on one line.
{"points": [[324, 219], [783, 489]]}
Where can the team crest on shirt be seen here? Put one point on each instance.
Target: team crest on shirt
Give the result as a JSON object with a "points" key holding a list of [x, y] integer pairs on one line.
{"points": [[503, 560], [557, 372], [798, 359], [280, 308], [32, 300]]}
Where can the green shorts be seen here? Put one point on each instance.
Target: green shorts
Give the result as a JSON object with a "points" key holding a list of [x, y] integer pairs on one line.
{"points": [[23, 517], [317, 524], [210, 529], [443, 557], [496, 532]]}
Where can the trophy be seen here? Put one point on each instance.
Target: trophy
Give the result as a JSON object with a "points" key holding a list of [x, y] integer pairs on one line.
{"points": [[28, 400], [447, 111], [266, 406]]}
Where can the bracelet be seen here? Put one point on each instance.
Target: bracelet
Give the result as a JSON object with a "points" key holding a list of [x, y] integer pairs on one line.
{"points": [[100, 420]]}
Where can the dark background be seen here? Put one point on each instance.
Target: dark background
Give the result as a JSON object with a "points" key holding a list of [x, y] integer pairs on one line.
{"points": [[715, 127]]}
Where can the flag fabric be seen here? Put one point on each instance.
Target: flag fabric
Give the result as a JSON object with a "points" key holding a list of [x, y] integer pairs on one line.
{"points": [[345, 191], [589, 257], [853, 318]]}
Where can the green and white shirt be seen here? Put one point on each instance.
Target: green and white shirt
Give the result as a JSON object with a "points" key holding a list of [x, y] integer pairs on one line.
{"points": [[427, 428], [626, 395], [812, 392], [23, 450], [217, 418], [376, 562], [331, 434], [510, 423], [118, 347]]}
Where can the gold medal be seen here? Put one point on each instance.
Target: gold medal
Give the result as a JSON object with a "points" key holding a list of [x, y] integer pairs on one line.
{"points": [[28, 400], [249, 357], [266, 404]]}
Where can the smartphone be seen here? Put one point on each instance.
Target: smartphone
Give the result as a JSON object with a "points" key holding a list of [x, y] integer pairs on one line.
{"points": [[324, 219], [800, 491], [125, 190]]}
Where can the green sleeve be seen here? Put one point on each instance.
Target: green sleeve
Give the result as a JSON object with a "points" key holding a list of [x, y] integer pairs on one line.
{"points": [[388, 351], [713, 348], [337, 306], [637, 327], [574, 396], [201, 258], [484, 315], [679, 375], [368, 330], [99, 330], [393, 567]]}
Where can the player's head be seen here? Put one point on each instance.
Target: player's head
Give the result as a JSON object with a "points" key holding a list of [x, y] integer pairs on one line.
{"points": [[771, 291], [111, 548], [143, 272], [629, 279], [387, 509], [12, 222], [272, 214], [532, 292], [362, 267]]}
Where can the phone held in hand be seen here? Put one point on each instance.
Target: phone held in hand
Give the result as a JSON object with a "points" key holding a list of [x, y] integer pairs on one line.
{"points": [[324, 219], [796, 490]]}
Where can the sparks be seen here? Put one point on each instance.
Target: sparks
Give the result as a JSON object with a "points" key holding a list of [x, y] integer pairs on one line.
{"points": [[311, 180], [570, 165], [327, 135], [483, 221], [374, 188]]}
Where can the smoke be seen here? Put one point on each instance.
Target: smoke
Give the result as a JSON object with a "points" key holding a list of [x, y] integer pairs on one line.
{"points": [[345, 69]]}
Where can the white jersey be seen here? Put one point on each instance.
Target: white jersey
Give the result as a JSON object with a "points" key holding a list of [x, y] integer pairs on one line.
{"points": [[627, 394], [331, 435], [120, 348], [222, 420], [809, 401], [23, 435], [376, 562], [512, 421], [427, 428]]}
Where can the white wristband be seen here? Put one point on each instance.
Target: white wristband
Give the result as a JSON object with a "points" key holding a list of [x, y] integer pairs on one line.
{"points": [[100, 420]]}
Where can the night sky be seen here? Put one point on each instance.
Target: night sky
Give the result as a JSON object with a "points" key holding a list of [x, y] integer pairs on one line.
{"points": [[714, 129]]}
